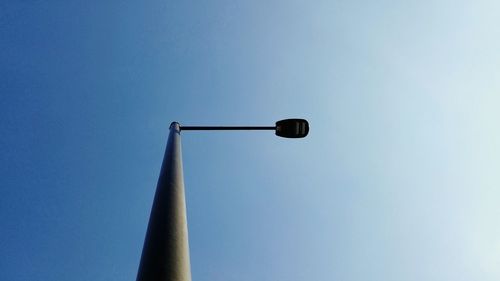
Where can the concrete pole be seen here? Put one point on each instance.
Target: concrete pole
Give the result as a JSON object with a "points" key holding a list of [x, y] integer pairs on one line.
{"points": [[165, 255]]}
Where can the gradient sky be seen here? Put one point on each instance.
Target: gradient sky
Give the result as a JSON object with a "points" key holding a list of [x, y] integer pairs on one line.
{"points": [[398, 180]]}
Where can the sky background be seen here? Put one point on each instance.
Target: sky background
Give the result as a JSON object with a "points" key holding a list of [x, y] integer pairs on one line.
{"points": [[398, 180]]}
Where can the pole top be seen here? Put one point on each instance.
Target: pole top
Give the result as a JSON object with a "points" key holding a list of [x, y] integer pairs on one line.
{"points": [[175, 126]]}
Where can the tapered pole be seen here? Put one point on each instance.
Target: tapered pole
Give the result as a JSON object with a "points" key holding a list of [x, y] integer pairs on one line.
{"points": [[165, 255]]}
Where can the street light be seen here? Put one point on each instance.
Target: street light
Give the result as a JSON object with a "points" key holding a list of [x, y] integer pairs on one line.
{"points": [[287, 128], [165, 254]]}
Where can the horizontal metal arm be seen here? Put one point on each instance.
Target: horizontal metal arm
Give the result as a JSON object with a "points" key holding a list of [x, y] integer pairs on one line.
{"points": [[226, 128]]}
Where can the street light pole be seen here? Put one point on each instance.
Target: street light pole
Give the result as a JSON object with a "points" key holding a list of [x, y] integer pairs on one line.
{"points": [[165, 255]]}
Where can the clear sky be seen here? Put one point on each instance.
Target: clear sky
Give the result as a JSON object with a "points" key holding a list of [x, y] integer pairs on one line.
{"points": [[398, 180]]}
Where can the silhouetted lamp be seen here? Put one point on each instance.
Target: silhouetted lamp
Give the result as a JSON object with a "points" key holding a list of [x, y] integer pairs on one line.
{"points": [[292, 128], [287, 128]]}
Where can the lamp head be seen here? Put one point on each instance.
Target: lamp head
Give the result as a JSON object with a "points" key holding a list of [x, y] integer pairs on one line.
{"points": [[292, 128]]}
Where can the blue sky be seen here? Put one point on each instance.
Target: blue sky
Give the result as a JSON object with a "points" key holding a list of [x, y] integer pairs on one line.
{"points": [[398, 179]]}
